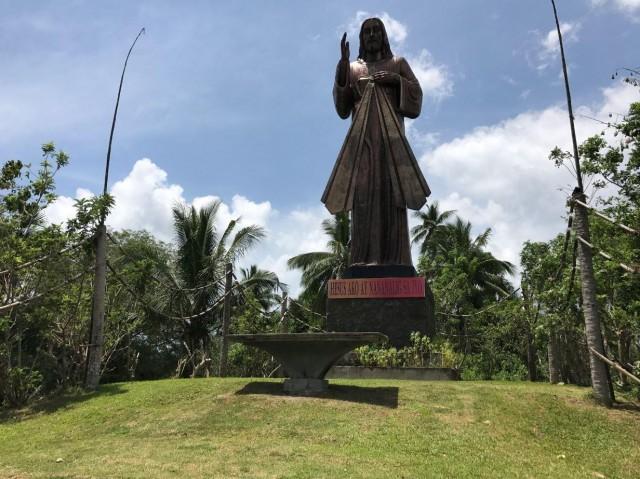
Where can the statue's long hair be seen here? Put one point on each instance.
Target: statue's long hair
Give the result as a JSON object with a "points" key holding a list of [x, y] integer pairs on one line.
{"points": [[386, 48]]}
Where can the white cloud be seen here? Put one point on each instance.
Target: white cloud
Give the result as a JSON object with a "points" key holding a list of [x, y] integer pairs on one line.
{"points": [[144, 200], [434, 79], [243, 210], [631, 5], [60, 210], [548, 46], [420, 140], [298, 231], [499, 176], [145, 197], [627, 6], [550, 43]]}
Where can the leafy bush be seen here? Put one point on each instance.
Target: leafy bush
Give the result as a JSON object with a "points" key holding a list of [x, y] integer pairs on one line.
{"points": [[246, 361], [422, 352], [21, 385], [502, 367]]}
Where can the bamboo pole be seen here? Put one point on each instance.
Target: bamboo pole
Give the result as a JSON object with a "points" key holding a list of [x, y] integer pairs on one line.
{"points": [[607, 256], [615, 365], [610, 220]]}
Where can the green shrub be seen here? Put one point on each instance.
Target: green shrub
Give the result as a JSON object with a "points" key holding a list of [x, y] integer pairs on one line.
{"points": [[422, 352], [20, 386], [502, 367]]}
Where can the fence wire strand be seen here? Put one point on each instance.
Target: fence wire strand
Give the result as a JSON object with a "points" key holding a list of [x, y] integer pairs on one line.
{"points": [[158, 280], [156, 311]]}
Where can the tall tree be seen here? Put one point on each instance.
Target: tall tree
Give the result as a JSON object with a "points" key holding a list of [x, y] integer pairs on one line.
{"points": [[600, 379], [433, 222], [319, 267], [200, 267], [262, 285], [465, 277]]}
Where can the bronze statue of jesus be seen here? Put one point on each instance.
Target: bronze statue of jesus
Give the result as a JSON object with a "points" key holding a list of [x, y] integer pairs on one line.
{"points": [[376, 175]]}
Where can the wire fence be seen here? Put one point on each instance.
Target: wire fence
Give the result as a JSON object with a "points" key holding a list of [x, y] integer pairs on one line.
{"points": [[308, 310], [155, 310], [482, 311], [209, 285], [252, 305]]}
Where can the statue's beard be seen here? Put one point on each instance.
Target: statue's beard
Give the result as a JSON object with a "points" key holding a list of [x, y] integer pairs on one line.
{"points": [[373, 47]]}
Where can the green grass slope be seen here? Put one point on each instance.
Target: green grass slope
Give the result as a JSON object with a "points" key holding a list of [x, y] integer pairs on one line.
{"points": [[245, 428]]}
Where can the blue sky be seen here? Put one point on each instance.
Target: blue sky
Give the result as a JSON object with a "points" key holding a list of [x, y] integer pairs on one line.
{"points": [[233, 100]]}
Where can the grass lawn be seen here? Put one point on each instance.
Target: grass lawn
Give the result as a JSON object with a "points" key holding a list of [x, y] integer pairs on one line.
{"points": [[246, 428]]}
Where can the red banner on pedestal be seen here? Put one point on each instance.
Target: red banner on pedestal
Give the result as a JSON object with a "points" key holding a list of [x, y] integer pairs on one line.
{"points": [[376, 288]]}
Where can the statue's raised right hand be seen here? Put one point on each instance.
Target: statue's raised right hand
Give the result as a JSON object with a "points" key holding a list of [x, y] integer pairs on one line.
{"points": [[344, 48]]}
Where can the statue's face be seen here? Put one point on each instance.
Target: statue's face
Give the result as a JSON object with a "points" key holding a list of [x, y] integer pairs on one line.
{"points": [[372, 36]]}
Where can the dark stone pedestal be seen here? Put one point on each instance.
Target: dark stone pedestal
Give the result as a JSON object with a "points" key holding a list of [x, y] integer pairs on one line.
{"points": [[305, 386], [306, 357], [396, 317]]}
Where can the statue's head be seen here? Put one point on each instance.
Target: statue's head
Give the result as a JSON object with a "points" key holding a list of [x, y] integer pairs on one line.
{"points": [[373, 39]]}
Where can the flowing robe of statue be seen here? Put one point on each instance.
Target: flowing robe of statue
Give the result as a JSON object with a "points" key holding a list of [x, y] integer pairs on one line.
{"points": [[376, 175]]}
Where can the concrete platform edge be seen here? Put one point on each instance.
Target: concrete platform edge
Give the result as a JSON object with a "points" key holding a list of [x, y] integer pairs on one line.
{"points": [[413, 374]]}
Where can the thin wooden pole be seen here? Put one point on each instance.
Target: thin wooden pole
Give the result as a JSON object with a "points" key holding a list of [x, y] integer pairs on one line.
{"points": [[115, 113], [96, 331], [226, 319], [574, 141]]}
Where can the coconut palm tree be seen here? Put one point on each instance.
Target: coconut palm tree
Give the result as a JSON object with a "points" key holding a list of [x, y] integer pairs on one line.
{"points": [[198, 276], [465, 276], [485, 274], [432, 223], [262, 285], [320, 266]]}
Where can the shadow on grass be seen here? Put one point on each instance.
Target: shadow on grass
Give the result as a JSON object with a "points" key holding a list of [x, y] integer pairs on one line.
{"points": [[56, 403], [626, 406], [376, 396]]}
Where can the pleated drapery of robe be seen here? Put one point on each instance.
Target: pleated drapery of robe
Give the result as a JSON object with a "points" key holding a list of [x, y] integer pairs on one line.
{"points": [[376, 175]]}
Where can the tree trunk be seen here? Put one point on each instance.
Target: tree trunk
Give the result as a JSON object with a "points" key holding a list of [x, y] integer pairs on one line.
{"points": [[19, 332], [226, 319], [624, 348], [531, 357], [553, 355], [284, 326], [600, 379], [96, 340]]}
